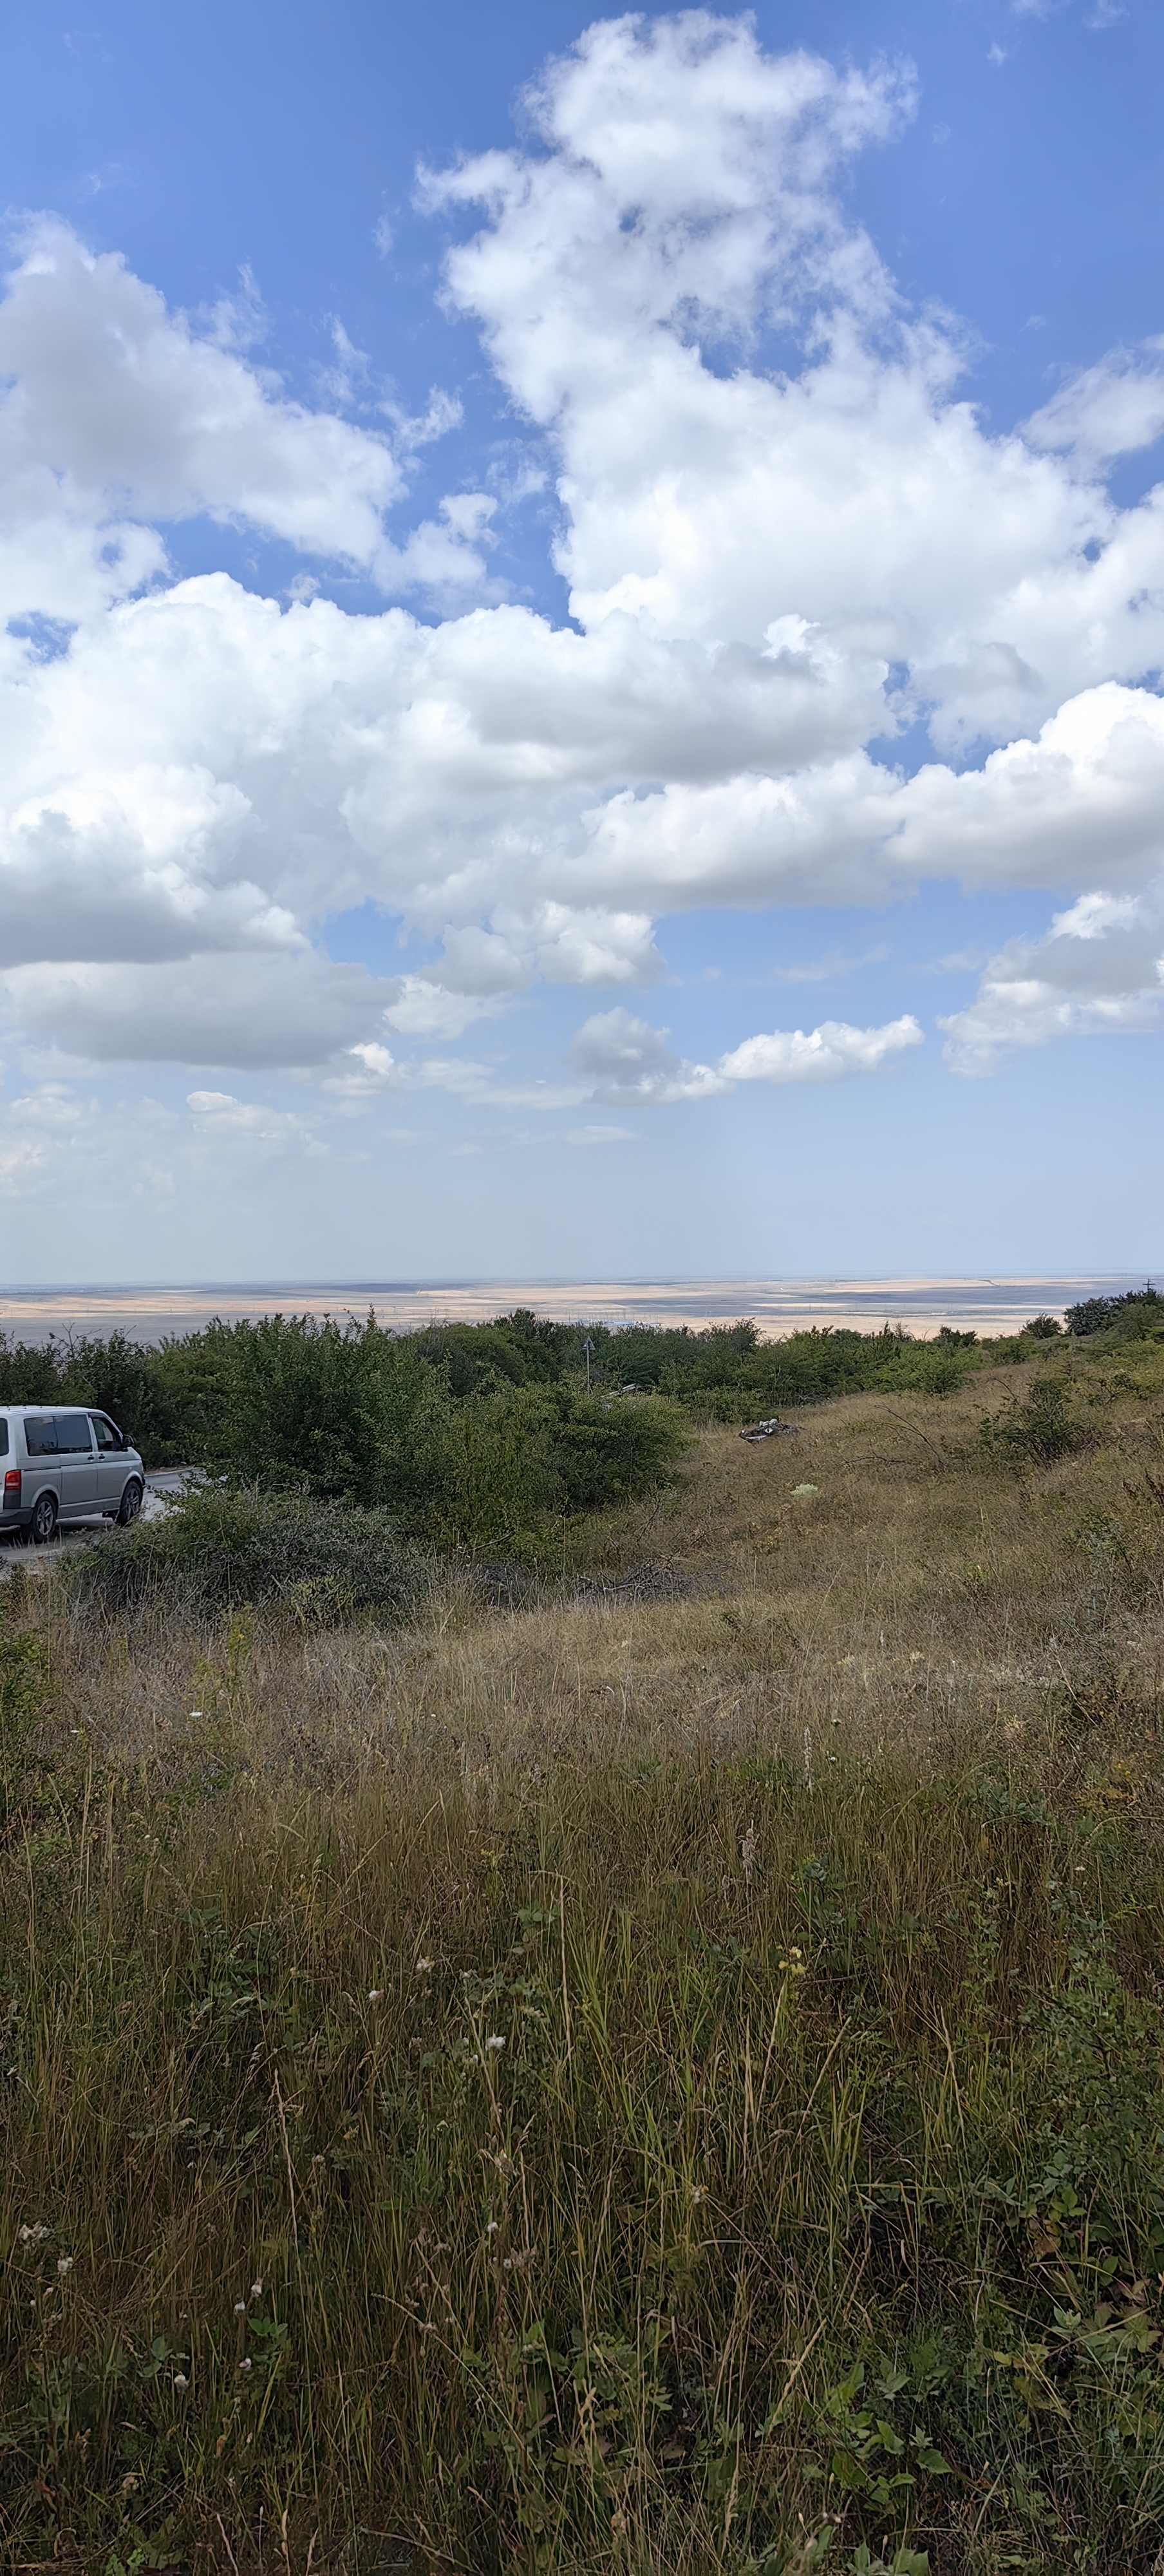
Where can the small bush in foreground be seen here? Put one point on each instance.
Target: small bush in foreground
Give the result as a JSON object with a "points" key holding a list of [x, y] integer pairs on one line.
{"points": [[1037, 1432], [221, 1547]]}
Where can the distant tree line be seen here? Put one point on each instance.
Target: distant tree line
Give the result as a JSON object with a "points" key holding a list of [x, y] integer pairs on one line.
{"points": [[1134, 1316], [466, 1433]]}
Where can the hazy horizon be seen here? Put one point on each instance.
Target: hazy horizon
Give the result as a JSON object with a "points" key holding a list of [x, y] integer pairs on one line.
{"points": [[921, 1306]]}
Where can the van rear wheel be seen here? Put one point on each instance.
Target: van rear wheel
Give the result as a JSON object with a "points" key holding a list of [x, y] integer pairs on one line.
{"points": [[44, 1519]]}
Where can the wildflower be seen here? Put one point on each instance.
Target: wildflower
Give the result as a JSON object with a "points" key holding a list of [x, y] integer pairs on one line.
{"points": [[424, 1967], [495, 2041], [65, 2263], [374, 1994], [240, 2307], [698, 2192], [34, 2235], [491, 2226], [245, 2365], [256, 2289], [748, 1852], [181, 2382]]}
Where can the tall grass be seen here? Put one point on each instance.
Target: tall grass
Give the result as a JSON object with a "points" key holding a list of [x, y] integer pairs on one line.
{"points": [[633, 2083]]}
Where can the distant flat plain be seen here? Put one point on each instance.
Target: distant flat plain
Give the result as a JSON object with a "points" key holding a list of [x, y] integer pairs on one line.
{"points": [[777, 1306]]}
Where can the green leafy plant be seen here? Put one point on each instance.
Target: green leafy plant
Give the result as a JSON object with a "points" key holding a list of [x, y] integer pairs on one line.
{"points": [[1035, 1431]]}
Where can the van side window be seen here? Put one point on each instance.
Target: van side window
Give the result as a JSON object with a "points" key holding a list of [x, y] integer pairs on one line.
{"points": [[107, 1436], [41, 1437], [73, 1432]]}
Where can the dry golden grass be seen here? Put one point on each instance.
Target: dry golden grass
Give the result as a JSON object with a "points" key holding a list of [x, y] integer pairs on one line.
{"points": [[682, 2057], [922, 1600]]}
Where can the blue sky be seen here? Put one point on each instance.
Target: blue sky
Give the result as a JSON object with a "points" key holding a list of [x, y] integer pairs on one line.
{"points": [[581, 691]]}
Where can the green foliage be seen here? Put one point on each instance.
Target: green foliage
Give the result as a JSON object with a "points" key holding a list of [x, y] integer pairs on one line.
{"points": [[467, 1435], [813, 1365], [1035, 1431], [482, 1436], [23, 1675], [28, 1373], [316, 1561], [605, 1451], [1043, 1328], [1136, 1316]]}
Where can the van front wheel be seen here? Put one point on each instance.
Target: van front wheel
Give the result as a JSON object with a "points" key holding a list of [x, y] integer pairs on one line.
{"points": [[130, 1503]]}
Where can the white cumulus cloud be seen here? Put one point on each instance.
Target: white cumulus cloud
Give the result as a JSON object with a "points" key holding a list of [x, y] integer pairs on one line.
{"points": [[627, 1060], [772, 567]]}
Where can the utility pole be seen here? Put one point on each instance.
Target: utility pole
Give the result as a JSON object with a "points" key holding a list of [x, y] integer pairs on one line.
{"points": [[588, 1347]]}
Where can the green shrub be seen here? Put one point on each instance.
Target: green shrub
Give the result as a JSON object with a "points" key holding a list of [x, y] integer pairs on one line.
{"points": [[925, 1368], [23, 1666], [353, 1414], [1135, 1315], [489, 1481], [606, 1450], [221, 1547], [1037, 1432], [28, 1375]]}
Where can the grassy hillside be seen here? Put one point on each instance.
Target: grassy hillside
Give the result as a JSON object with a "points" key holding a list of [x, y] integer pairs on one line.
{"points": [[648, 2058]]}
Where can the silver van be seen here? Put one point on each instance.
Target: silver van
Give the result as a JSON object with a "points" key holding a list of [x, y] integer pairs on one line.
{"points": [[64, 1466]]}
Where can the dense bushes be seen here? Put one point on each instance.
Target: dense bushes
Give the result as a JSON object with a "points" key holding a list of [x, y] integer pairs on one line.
{"points": [[357, 1411], [466, 1437], [1133, 1317], [472, 1434], [222, 1547]]}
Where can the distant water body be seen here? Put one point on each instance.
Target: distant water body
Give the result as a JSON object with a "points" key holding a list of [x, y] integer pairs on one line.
{"points": [[778, 1306]]}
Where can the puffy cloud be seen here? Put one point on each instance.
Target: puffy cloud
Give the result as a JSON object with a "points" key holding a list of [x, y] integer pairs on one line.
{"points": [[255, 1012], [218, 1113], [628, 1061], [1098, 971], [375, 1070], [118, 412], [770, 569], [683, 199], [1085, 800], [133, 866], [625, 1060], [43, 1128], [824, 1055], [1108, 410]]}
